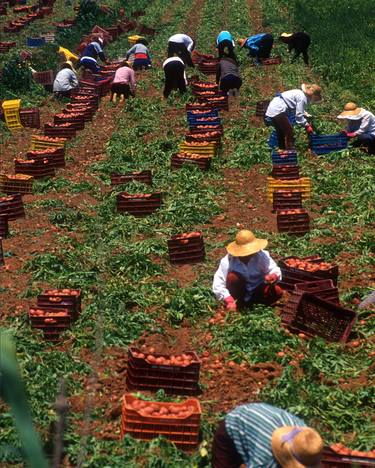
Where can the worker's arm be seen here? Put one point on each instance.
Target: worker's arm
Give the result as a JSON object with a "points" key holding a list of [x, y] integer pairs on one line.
{"points": [[130, 52], [73, 80], [364, 125], [219, 285], [300, 113]]}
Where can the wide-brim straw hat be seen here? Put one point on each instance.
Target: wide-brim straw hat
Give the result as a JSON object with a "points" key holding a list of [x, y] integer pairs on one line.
{"points": [[351, 111], [297, 447], [313, 91], [242, 41], [284, 34], [246, 244]]}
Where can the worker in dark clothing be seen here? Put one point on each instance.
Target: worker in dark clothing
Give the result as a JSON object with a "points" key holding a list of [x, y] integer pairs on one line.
{"points": [[181, 45], [90, 55], [299, 42], [228, 76], [259, 46], [225, 41], [175, 77]]}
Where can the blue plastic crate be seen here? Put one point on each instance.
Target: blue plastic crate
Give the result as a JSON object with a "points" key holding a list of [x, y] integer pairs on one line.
{"points": [[190, 115], [194, 123], [35, 41], [291, 157], [324, 144]]}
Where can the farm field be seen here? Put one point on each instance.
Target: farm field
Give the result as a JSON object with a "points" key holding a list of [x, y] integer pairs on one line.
{"points": [[73, 237]]}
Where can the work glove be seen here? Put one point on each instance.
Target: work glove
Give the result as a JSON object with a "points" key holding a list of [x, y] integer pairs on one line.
{"points": [[350, 134], [309, 129], [271, 278], [230, 303]]}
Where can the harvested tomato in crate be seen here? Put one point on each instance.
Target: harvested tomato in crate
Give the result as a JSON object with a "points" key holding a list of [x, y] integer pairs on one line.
{"points": [[199, 86], [4, 226], [186, 248], [178, 422], [139, 204], [285, 171], [69, 299], [144, 177], [203, 136], [18, 183], [295, 221], [64, 130], [287, 199], [298, 270], [180, 159], [207, 128], [12, 206], [339, 456], [36, 168], [313, 316], [55, 156], [52, 321], [175, 374], [325, 289], [75, 118]]}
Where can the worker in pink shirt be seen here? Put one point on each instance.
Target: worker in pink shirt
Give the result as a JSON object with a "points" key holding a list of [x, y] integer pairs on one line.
{"points": [[123, 83]]}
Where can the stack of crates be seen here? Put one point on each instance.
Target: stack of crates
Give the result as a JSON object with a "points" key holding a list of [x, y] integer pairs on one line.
{"points": [[11, 110]]}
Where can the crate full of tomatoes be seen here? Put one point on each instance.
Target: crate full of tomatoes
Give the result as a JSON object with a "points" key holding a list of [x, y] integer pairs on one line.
{"points": [[55, 156], [287, 199], [294, 221], [285, 171], [298, 270], [186, 248], [211, 135], [176, 374], [12, 206], [38, 168], [75, 118], [52, 321], [18, 183], [65, 130], [138, 204], [178, 422], [69, 299], [339, 456], [144, 177], [182, 158]]}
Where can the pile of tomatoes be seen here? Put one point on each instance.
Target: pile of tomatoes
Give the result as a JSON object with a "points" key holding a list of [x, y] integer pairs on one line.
{"points": [[182, 360], [342, 450], [307, 266], [162, 410]]}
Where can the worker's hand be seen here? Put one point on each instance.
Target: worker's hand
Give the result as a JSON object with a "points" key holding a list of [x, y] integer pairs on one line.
{"points": [[309, 129], [230, 303], [351, 134], [271, 278]]}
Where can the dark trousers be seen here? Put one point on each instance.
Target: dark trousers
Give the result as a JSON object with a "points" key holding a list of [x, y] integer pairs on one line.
{"points": [[63, 94], [140, 64], [230, 82], [284, 131], [174, 78], [226, 44], [181, 50], [265, 47], [298, 52], [90, 65], [224, 452], [366, 140], [121, 88]]}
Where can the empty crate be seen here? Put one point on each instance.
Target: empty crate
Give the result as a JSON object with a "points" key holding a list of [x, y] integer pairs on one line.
{"points": [[325, 289], [284, 157], [186, 248], [324, 144], [4, 226]]}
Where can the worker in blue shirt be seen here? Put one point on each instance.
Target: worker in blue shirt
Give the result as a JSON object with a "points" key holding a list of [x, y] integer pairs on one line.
{"points": [[259, 46], [90, 55], [225, 41]]}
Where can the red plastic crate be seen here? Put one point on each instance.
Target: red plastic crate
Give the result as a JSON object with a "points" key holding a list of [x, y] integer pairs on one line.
{"points": [[180, 159], [294, 221], [325, 289], [199, 86], [2, 262], [202, 106], [51, 321], [261, 108], [87, 112], [79, 98], [173, 379], [78, 120], [38, 168], [4, 225], [139, 176], [55, 156], [66, 131], [186, 248], [207, 128], [182, 431], [293, 275], [61, 299], [12, 207], [211, 135], [221, 103], [285, 172], [30, 117], [140, 204], [271, 61], [287, 199], [44, 78], [208, 67], [332, 459], [314, 316], [13, 184]]}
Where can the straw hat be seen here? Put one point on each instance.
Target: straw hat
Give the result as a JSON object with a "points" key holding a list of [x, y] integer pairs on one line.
{"points": [[351, 111], [297, 447], [70, 63], [245, 244], [286, 35], [241, 42], [313, 91]]}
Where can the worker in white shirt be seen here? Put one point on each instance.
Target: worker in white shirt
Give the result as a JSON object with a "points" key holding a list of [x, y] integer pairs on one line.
{"points": [[65, 81], [182, 45], [175, 76], [247, 274], [360, 125], [293, 101]]}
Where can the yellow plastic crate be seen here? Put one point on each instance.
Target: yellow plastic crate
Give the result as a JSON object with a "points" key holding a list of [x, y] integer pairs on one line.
{"points": [[134, 39], [19, 183], [12, 113], [67, 54], [39, 143], [209, 149], [303, 184]]}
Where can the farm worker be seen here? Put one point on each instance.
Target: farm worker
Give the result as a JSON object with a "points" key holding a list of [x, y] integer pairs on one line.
{"points": [[65, 81], [141, 54], [259, 46], [261, 435], [90, 55], [228, 75], [247, 274], [299, 42], [181, 45], [225, 41], [175, 76], [360, 125], [293, 101], [123, 83]]}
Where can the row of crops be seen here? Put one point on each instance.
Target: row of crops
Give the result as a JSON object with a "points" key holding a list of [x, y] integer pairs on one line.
{"points": [[131, 293]]}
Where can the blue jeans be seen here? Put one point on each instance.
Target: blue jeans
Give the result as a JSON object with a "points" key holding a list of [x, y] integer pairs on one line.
{"points": [[90, 65]]}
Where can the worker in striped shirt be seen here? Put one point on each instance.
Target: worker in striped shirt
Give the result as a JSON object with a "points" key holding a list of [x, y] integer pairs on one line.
{"points": [[258, 435]]}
